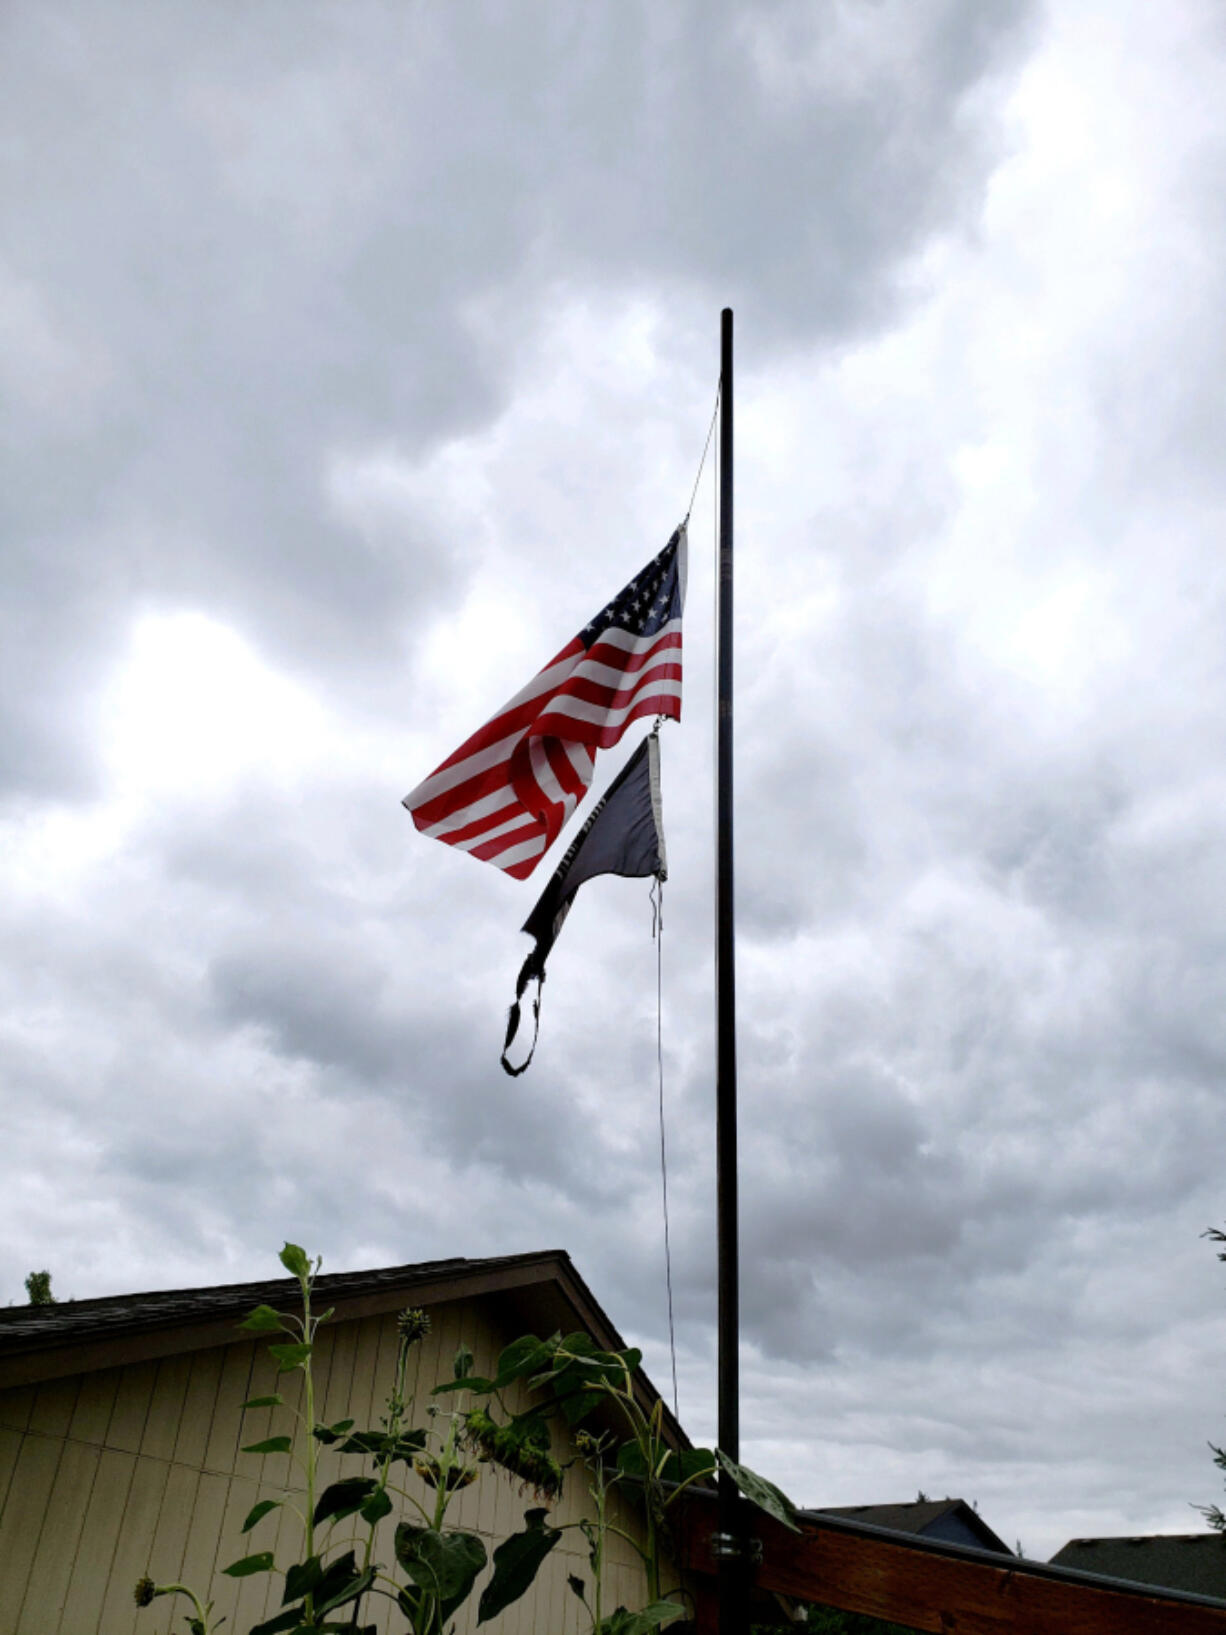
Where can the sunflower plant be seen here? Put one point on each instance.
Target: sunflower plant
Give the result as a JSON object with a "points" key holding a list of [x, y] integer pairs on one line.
{"points": [[330, 1586], [571, 1378]]}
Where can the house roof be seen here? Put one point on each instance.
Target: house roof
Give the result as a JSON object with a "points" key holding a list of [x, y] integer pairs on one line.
{"points": [[1178, 1561], [922, 1517], [540, 1291], [37, 1328]]}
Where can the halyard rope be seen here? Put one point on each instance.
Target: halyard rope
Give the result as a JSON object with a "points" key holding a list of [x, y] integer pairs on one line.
{"points": [[658, 927], [703, 461], [657, 911]]}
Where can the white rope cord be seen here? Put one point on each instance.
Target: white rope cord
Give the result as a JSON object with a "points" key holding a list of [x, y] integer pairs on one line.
{"points": [[657, 932], [657, 910], [703, 461], [668, 1257]]}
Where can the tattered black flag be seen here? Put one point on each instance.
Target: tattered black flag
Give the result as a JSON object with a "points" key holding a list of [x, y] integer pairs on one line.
{"points": [[624, 835]]}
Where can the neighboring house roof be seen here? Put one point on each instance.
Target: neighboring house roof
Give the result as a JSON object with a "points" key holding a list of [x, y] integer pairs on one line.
{"points": [[1177, 1561], [542, 1290], [952, 1520]]}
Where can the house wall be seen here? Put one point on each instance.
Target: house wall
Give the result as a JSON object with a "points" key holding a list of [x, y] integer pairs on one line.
{"points": [[110, 1475]]}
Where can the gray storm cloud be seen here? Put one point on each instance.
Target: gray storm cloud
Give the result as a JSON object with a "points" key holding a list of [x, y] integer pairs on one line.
{"points": [[363, 352]]}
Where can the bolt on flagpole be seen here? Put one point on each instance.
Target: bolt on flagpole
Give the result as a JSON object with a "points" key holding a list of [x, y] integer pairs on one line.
{"points": [[730, 1545]]}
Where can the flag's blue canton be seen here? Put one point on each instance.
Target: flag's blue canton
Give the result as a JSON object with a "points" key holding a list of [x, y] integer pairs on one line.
{"points": [[649, 601]]}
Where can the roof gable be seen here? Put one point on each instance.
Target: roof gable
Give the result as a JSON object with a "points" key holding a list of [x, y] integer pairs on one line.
{"points": [[541, 1292], [950, 1519]]}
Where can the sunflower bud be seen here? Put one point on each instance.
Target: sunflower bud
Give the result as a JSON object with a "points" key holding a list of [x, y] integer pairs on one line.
{"points": [[144, 1592], [413, 1325]]}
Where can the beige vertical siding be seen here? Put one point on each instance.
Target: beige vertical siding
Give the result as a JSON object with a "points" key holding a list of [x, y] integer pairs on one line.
{"points": [[110, 1475], [21, 1525], [165, 1407], [51, 1567], [15, 1407], [99, 1538]]}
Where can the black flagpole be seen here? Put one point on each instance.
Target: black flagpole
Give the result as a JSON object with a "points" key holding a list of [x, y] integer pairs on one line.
{"points": [[731, 1565]]}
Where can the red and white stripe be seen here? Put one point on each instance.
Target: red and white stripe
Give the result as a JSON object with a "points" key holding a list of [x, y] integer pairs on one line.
{"points": [[507, 791]]}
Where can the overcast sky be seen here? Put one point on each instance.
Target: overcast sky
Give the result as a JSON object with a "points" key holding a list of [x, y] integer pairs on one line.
{"points": [[351, 357]]}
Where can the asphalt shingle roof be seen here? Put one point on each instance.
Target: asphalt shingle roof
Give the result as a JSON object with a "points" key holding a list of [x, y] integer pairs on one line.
{"points": [[32, 1327], [921, 1516], [1179, 1561]]}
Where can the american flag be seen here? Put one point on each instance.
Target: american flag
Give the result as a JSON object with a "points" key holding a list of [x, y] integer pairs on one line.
{"points": [[507, 791]]}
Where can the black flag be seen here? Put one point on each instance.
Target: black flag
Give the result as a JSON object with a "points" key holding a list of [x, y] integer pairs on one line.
{"points": [[624, 835]]}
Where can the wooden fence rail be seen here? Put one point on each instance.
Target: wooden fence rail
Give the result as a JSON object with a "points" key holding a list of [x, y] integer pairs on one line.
{"points": [[942, 1588]]}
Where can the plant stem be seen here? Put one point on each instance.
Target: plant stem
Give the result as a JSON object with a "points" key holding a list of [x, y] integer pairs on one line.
{"points": [[202, 1612], [395, 1415], [598, 1550], [445, 1461]]}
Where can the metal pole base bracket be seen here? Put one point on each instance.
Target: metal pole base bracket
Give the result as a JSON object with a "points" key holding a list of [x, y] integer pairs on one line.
{"points": [[728, 1547]]}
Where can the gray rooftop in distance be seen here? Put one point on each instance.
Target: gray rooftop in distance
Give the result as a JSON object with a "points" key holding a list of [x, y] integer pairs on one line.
{"points": [[1177, 1561], [926, 1518]]}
